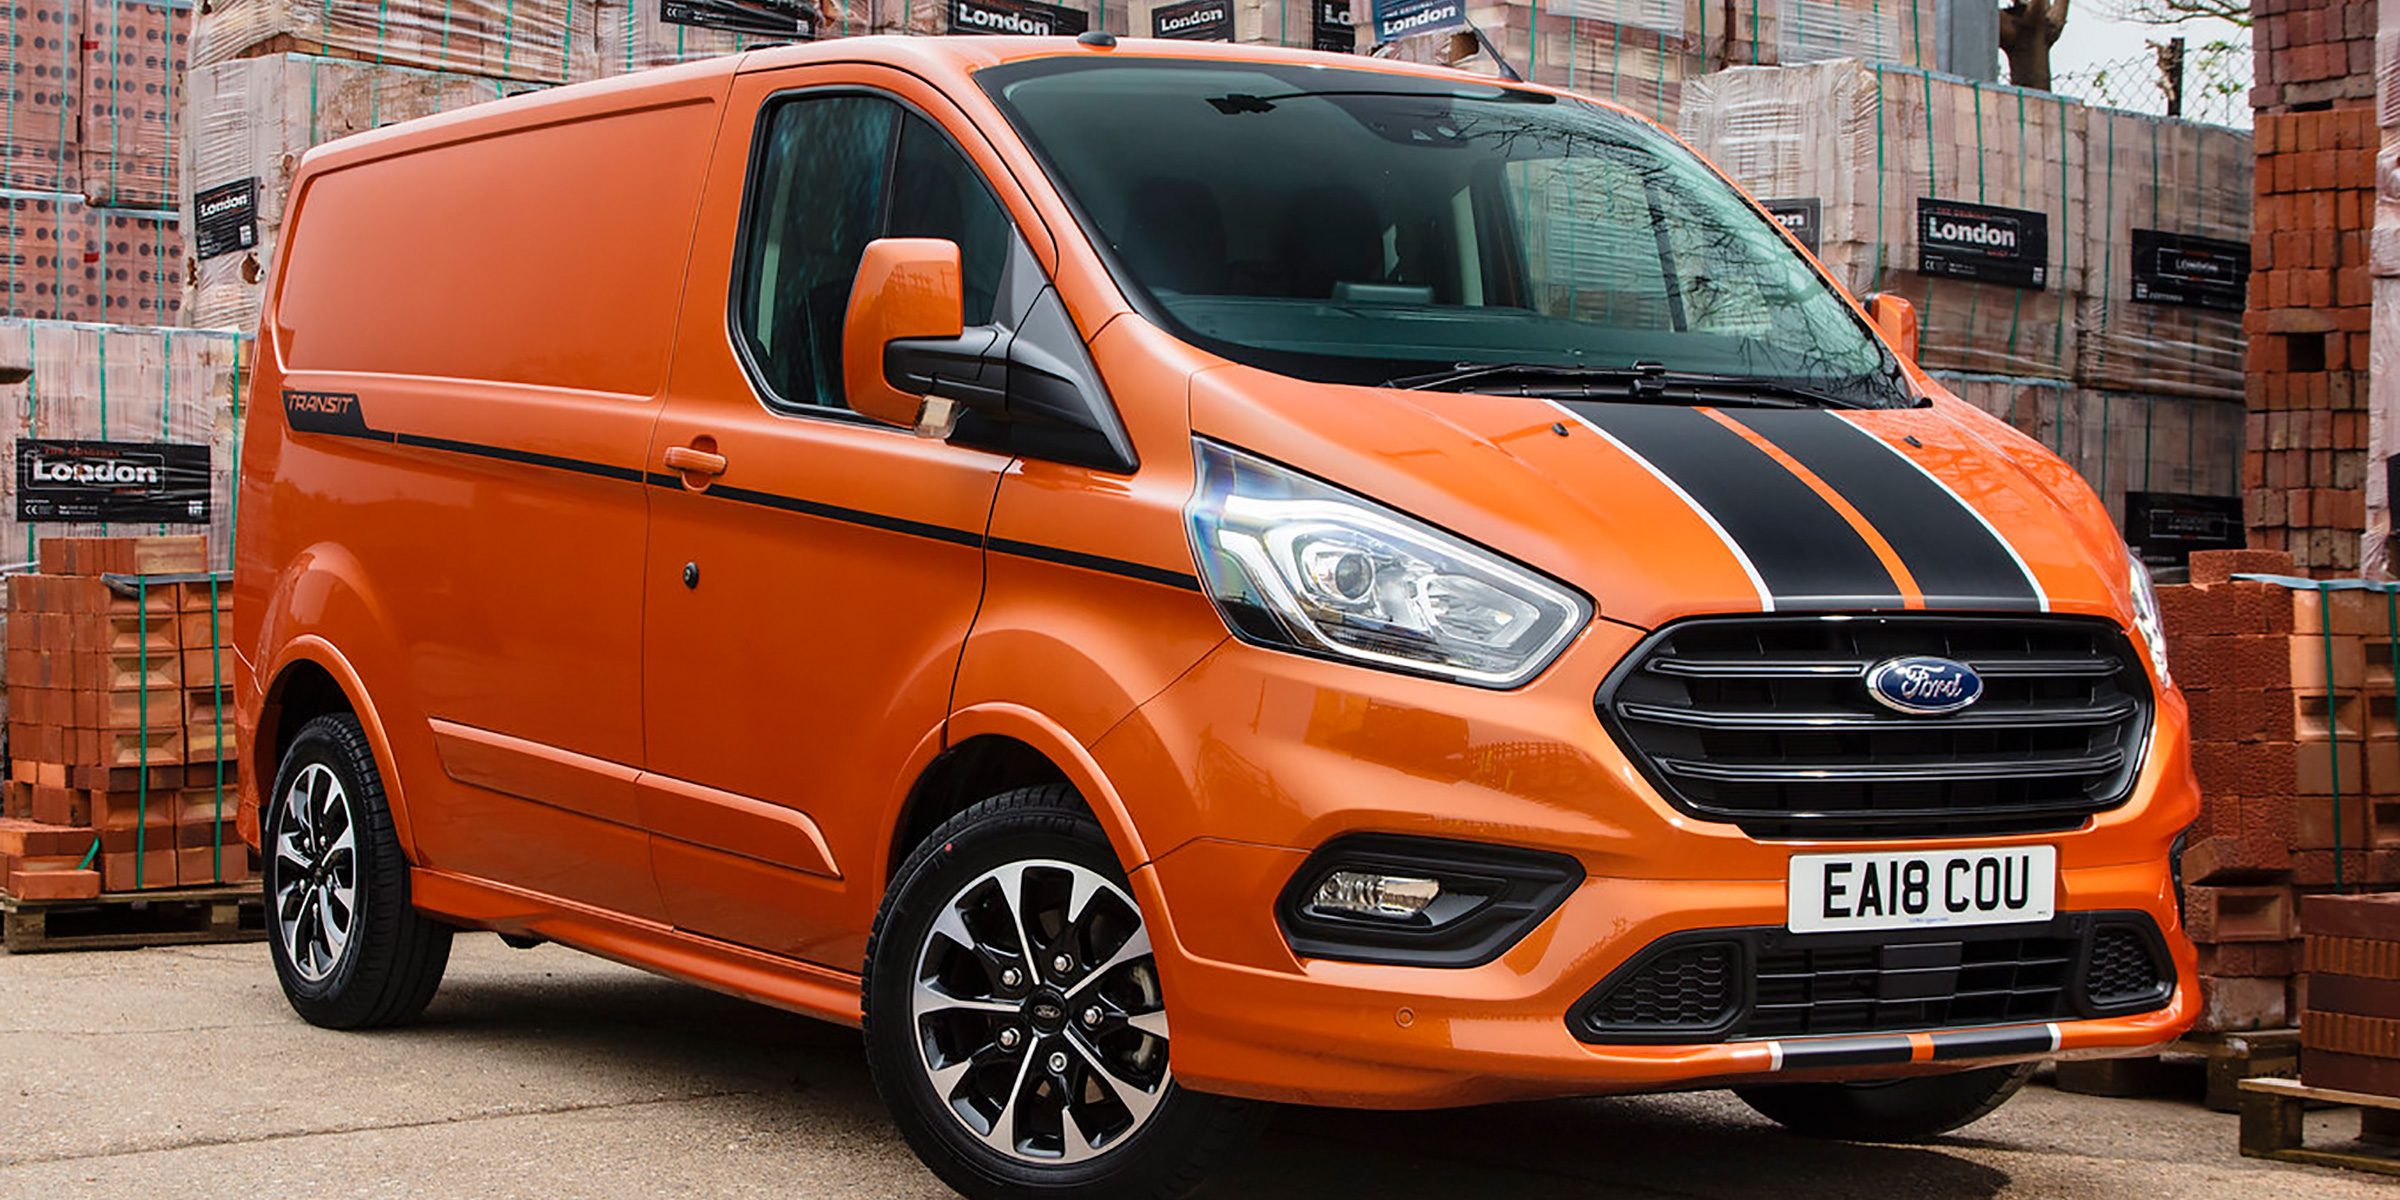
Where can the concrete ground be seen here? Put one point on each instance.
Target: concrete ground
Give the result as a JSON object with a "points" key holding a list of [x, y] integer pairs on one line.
{"points": [[544, 1073]]}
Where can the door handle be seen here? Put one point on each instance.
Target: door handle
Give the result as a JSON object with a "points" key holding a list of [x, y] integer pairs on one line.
{"points": [[693, 461]]}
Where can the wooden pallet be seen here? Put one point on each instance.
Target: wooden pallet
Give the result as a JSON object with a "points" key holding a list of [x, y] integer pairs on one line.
{"points": [[2273, 1126], [2229, 1058], [122, 920]]}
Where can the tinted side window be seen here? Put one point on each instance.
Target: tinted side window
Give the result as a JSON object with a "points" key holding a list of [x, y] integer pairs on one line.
{"points": [[835, 173], [818, 200], [937, 193]]}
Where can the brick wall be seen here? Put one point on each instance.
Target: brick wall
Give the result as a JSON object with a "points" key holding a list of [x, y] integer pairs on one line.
{"points": [[2311, 301]]}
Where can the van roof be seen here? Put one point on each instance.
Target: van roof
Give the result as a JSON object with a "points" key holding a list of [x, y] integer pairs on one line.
{"points": [[942, 60]]}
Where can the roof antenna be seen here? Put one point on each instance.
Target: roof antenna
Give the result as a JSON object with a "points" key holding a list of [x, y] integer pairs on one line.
{"points": [[1098, 39]]}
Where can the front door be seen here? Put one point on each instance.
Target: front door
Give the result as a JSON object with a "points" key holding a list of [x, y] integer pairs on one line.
{"points": [[811, 574]]}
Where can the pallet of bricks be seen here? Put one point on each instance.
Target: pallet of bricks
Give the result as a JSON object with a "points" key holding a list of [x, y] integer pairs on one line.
{"points": [[2349, 1039], [87, 185], [119, 738], [1328, 25], [270, 80], [2297, 753], [1637, 53], [1767, 33], [1967, 199], [2383, 268]]}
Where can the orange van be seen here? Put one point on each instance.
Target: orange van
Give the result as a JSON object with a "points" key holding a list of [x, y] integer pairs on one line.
{"points": [[1155, 577]]}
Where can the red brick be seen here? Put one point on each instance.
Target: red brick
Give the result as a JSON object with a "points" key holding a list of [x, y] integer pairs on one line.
{"points": [[2218, 566], [2239, 914], [54, 885]]}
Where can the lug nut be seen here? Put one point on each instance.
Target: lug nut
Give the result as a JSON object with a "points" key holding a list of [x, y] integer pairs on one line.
{"points": [[1058, 1062], [1011, 977], [1009, 1039], [1062, 964], [1091, 1016]]}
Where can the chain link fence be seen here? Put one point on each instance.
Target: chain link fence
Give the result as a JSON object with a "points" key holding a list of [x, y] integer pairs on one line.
{"points": [[2215, 81]]}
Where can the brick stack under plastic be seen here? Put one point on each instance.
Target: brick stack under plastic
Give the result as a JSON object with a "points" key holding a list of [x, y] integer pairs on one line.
{"points": [[118, 733], [2297, 753]]}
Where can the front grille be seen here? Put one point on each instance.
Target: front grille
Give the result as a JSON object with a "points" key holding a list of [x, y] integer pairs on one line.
{"points": [[1805, 990], [1731, 984], [1766, 722]]}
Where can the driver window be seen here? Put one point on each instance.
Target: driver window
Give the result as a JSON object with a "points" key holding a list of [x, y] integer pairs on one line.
{"points": [[832, 174]]}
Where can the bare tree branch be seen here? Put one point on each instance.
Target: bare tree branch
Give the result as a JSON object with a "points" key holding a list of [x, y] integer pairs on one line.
{"points": [[2176, 12]]}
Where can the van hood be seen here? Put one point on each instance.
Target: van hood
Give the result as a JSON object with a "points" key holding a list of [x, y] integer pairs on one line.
{"points": [[1664, 511]]}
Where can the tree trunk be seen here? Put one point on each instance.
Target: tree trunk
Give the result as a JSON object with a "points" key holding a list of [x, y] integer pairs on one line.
{"points": [[2028, 28]]}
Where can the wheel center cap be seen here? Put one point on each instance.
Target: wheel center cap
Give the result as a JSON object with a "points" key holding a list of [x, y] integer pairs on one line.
{"points": [[1046, 1011]]}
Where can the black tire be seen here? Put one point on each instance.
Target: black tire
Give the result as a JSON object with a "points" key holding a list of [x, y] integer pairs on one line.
{"points": [[1184, 1137], [386, 970], [1899, 1110]]}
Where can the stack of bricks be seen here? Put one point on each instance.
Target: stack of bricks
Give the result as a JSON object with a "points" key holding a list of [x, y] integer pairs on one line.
{"points": [[2311, 305], [118, 730], [2312, 54], [2350, 1022], [2297, 751]]}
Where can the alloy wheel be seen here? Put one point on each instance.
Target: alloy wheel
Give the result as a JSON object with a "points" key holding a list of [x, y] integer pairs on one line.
{"points": [[1037, 1013], [315, 872]]}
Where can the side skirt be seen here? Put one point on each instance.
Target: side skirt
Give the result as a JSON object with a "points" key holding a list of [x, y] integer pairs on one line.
{"points": [[804, 988]]}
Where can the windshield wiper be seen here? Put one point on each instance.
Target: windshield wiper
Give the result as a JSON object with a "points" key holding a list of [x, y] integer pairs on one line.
{"points": [[1643, 382]]}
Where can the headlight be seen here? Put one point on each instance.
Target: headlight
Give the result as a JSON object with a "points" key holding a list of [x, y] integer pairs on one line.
{"points": [[2145, 615], [1300, 565]]}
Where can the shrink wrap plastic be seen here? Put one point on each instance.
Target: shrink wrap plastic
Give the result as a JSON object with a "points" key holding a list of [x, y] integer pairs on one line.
{"points": [[2169, 205], [246, 124], [1765, 33], [524, 40], [1967, 199], [2120, 441], [40, 93], [64, 259], [123, 383], [1291, 23], [132, 76]]}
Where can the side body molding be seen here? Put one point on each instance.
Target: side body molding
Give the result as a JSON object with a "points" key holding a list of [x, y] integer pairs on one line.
{"points": [[626, 795]]}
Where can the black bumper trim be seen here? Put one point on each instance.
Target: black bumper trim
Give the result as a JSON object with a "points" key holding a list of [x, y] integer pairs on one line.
{"points": [[1846, 1052], [1992, 1043]]}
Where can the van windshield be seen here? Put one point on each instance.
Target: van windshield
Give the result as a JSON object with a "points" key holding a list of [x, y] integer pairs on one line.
{"points": [[1366, 227]]}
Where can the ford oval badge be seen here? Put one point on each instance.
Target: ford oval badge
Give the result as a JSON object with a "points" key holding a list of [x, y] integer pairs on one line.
{"points": [[1922, 685]]}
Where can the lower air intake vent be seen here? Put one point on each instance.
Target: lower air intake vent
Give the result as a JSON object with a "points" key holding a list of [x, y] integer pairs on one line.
{"points": [[1693, 987], [2125, 971], [1731, 984]]}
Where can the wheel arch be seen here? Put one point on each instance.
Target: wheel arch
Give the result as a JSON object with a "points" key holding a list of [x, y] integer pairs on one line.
{"points": [[991, 748], [310, 680]]}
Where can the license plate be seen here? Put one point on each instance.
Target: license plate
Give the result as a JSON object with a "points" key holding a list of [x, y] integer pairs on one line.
{"points": [[1833, 893]]}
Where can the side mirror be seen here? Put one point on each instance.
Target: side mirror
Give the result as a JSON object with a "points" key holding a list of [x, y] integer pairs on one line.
{"points": [[907, 290], [1897, 318]]}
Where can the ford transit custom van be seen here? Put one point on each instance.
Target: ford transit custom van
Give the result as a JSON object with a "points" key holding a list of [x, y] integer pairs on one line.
{"points": [[1160, 578]]}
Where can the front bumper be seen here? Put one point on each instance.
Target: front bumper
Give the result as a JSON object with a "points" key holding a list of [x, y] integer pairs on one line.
{"points": [[1253, 759], [1364, 1035]]}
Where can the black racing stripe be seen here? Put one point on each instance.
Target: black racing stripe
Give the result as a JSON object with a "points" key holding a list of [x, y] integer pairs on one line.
{"points": [[337, 414], [1805, 551], [1991, 1043], [1957, 560], [527, 457], [1095, 562], [941, 533], [1846, 1052], [836, 512]]}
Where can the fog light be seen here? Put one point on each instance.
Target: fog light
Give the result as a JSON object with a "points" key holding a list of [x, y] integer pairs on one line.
{"points": [[1392, 897]]}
